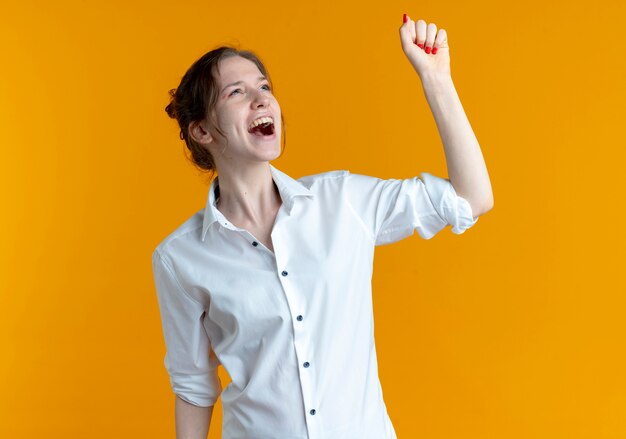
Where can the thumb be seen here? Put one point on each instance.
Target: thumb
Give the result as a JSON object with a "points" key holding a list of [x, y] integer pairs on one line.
{"points": [[407, 32]]}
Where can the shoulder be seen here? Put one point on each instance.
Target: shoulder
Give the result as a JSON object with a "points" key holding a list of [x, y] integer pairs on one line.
{"points": [[323, 177], [345, 181], [186, 233]]}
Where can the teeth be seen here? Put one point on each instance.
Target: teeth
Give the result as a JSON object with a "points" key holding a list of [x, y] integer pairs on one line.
{"points": [[260, 121]]}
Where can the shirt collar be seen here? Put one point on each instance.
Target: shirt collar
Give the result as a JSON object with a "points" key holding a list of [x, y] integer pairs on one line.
{"points": [[288, 188]]}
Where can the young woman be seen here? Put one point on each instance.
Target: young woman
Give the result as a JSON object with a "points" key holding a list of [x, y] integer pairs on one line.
{"points": [[272, 279]]}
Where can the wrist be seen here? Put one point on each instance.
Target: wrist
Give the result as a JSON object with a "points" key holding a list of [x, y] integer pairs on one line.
{"points": [[436, 82]]}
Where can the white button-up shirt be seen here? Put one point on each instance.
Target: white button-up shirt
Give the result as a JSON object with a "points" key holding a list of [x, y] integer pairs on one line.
{"points": [[294, 327]]}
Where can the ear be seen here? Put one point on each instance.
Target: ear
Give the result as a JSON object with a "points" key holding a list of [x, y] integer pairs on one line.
{"points": [[200, 133]]}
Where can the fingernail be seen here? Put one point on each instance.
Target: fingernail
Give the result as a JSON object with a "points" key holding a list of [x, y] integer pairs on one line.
{"points": [[427, 49], [434, 50], [421, 45], [404, 18]]}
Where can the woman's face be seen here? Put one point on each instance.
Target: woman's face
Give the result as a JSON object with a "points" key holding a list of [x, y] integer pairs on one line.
{"points": [[237, 106]]}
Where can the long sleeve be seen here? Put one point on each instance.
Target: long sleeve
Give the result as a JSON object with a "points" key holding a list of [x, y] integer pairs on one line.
{"points": [[189, 359], [393, 209]]}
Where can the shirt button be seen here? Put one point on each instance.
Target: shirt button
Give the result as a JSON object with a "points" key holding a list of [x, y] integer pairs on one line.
{"points": [[306, 364], [312, 411], [284, 273], [299, 318], [254, 243]]}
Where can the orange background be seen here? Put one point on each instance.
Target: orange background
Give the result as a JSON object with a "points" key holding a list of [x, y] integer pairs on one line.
{"points": [[512, 330]]}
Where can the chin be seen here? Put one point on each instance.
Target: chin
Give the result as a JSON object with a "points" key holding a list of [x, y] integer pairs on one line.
{"points": [[274, 154]]}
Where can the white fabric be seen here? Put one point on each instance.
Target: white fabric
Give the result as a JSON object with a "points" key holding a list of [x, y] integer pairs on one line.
{"points": [[224, 300]]}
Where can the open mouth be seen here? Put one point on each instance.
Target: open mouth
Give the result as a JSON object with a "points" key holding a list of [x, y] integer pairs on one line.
{"points": [[263, 130]]}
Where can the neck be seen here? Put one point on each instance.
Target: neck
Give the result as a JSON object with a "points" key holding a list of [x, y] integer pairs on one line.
{"points": [[247, 194]]}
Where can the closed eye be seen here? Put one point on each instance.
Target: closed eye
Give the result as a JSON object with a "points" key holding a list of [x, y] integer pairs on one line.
{"points": [[238, 89]]}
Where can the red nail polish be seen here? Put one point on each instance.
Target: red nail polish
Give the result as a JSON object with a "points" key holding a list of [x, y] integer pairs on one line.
{"points": [[427, 49], [434, 50], [404, 18], [421, 45]]}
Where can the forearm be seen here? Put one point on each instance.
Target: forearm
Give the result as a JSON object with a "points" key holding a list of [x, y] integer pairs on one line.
{"points": [[466, 166], [192, 422]]}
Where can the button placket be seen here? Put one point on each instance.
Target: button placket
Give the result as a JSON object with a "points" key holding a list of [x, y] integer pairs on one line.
{"points": [[301, 344], [268, 255], [306, 379]]}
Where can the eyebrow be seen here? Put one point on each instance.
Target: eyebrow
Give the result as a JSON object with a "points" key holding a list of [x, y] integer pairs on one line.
{"points": [[260, 78]]}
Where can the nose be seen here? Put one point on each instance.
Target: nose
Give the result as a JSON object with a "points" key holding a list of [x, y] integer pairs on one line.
{"points": [[260, 99]]}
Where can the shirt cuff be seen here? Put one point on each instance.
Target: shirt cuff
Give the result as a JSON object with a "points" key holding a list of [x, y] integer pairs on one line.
{"points": [[453, 209], [199, 390]]}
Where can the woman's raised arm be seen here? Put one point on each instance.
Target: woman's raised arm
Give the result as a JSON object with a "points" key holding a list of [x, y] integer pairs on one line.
{"points": [[466, 166]]}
